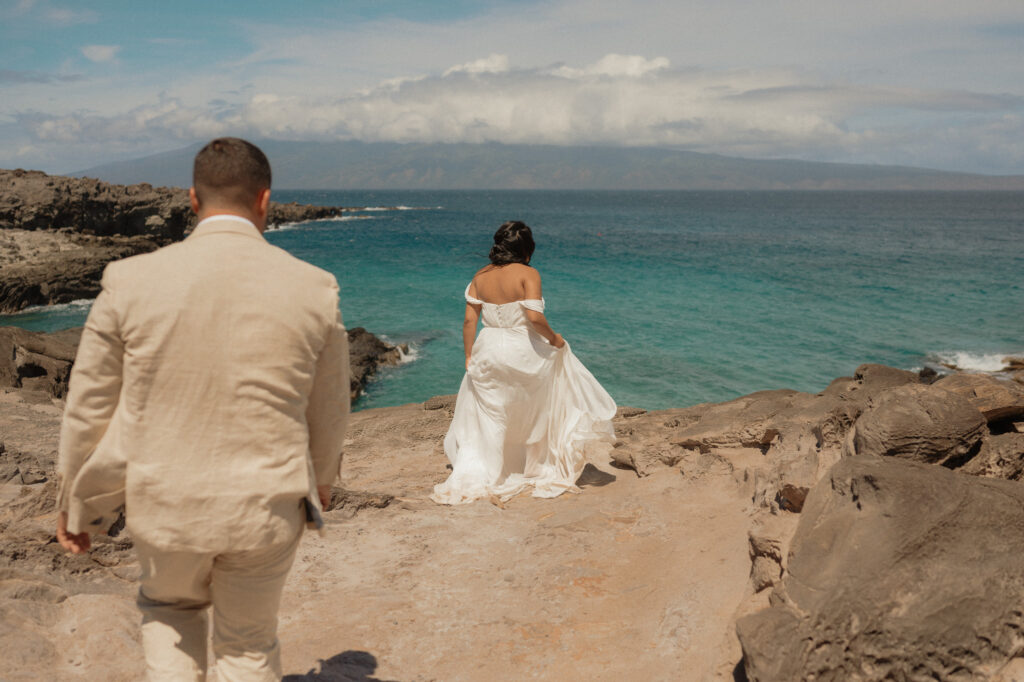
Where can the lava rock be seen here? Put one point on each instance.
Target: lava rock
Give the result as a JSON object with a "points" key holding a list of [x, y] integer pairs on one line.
{"points": [[922, 423], [898, 570]]}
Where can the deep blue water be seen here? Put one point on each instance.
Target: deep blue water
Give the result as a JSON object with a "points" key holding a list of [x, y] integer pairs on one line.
{"points": [[675, 298]]}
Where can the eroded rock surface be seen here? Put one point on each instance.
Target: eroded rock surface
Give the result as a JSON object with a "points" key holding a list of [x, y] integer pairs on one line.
{"points": [[921, 423], [41, 361], [58, 233], [898, 570], [367, 353], [1001, 456], [997, 399], [779, 443], [37, 361]]}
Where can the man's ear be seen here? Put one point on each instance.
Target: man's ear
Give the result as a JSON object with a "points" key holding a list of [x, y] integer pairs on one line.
{"points": [[263, 202], [193, 199]]}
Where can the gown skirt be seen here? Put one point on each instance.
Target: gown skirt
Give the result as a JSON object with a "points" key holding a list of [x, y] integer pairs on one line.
{"points": [[525, 413]]}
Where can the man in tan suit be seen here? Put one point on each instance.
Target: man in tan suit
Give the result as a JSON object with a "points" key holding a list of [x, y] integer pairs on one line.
{"points": [[209, 397]]}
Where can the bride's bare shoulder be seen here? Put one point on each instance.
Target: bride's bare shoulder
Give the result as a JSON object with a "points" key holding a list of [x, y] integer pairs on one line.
{"points": [[487, 268], [529, 272]]}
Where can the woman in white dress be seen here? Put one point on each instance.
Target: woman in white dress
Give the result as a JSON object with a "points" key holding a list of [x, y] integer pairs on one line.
{"points": [[527, 406]]}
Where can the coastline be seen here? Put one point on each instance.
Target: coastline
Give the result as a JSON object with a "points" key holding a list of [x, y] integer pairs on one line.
{"points": [[717, 539]]}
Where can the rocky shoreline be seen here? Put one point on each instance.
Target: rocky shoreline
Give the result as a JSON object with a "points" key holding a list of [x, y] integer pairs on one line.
{"points": [[869, 531], [58, 233], [40, 362]]}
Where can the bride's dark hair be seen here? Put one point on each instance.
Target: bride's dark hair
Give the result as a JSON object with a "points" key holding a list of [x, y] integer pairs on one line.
{"points": [[513, 243]]}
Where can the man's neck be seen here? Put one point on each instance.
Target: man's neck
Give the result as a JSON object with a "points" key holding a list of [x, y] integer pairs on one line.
{"points": [[235, 213]]}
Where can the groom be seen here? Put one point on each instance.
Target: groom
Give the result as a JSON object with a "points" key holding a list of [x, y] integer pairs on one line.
{"points": [[209, 397]]}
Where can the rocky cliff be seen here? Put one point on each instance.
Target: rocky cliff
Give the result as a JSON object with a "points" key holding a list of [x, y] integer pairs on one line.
{"points": [[58, 233], [869, 531], [33, 200]]}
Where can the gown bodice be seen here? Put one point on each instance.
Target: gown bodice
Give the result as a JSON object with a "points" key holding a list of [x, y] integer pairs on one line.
{"points": [[506, 315]]}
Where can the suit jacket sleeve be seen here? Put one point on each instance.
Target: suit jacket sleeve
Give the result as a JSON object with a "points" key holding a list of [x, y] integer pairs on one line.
{"points": [[94, 388], [327, 413]]}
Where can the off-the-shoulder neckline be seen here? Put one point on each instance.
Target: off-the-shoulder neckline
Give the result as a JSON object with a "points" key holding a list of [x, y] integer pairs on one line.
{"points": [[476, 301]]}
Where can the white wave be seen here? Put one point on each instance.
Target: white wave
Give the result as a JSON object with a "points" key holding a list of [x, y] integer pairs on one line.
{"points": [[404, 356], [305, 223], [78, 304], [400, 207], [972, 362], [411, 355]]}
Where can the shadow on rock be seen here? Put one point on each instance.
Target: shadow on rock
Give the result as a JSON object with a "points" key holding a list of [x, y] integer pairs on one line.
{"points": [[348, 666]]}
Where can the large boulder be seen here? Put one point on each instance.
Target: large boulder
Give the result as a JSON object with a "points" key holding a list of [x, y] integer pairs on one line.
{"points": [[899, 571], [917, 422], [997, 399]]}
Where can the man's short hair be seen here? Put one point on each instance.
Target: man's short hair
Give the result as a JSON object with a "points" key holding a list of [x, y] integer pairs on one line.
{"points": [[230, 171]]}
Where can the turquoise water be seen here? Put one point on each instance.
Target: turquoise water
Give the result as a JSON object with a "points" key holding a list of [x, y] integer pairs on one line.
{"points": [[675, 298]]}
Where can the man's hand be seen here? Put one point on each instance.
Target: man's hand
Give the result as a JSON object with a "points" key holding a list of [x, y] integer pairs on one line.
{"points": [[324, 493], [76, 543]]}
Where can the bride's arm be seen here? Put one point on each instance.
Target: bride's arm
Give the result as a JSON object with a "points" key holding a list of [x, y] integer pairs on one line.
{"points": [[532, 288], [469, 329]]}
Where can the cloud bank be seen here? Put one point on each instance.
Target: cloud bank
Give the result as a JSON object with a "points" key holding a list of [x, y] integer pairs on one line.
{"points": [[618, 100]]}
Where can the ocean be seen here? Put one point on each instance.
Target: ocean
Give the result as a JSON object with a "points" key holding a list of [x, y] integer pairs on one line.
{"points": [[676, 298]]}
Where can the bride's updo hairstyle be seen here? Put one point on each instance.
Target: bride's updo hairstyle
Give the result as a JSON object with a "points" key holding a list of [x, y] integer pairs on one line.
{"points": [[513, 243]]}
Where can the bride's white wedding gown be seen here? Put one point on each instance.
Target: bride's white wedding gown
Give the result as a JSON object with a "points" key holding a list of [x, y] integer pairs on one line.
{"points": [[524, 413]]}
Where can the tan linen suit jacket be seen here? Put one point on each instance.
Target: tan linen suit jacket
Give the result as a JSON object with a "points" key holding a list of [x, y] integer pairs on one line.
{"points": [[209, 395]]}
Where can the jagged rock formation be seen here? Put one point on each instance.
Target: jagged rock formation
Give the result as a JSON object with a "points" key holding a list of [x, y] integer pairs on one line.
{"points": [[366, 354], [33, 200], [37, 361], [58, 233], [779, 443], [43, 268]]}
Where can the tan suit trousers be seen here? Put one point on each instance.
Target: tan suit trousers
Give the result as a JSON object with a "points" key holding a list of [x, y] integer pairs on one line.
{"points": [[244, 589]]}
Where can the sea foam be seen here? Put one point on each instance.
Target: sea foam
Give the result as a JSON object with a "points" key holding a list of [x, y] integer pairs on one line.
{"points": [[305, 223], [972, 362], [72, 306]]}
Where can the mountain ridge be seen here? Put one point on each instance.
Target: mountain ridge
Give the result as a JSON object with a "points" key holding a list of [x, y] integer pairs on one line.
{"points": [[355, 165]]}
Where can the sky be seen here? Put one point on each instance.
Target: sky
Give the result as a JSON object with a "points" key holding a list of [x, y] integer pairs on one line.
{"points": [[930, 83]]}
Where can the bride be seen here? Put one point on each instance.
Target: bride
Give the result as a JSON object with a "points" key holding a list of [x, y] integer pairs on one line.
{"points": [[527, 406]]}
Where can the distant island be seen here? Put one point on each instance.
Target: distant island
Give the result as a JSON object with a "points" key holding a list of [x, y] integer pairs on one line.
{"points": [[355, 165]]}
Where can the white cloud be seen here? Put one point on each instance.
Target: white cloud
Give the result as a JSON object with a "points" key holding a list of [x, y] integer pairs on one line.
{"points": [[616, 100], [926, 82], [101, 53], [616, 65], [495, 63]]}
